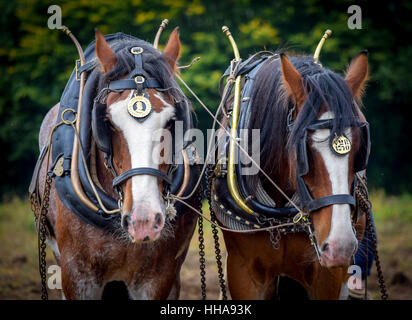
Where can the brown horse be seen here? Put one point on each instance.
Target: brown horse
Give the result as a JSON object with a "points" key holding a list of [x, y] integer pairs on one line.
{"points": [[303, 92], [148, 250]]}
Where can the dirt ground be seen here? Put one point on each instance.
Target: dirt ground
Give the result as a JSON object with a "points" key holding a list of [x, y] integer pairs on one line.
{"points": [[19, 277]]}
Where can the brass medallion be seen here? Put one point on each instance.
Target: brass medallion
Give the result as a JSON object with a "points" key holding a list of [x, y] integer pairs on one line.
{"points": [[139, 106], [341, 145], [58, 168]]}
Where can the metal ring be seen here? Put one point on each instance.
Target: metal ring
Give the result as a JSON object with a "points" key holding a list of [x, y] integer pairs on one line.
{"points": [[68, 121], [139, 79], [297, 217], [136, 50]]}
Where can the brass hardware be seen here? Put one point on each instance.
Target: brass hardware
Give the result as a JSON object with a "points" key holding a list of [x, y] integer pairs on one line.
{"points": [[58, 168], [186, 176], [221, 168], [139, 106], [326, 35], [341, 145], [74, 176], [139, 79], [136, 50], [77, 67], [163, 25], [231, 177], [68, 122]]}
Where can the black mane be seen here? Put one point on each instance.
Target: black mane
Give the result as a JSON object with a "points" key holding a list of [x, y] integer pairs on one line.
{"points": [[271, 104]]}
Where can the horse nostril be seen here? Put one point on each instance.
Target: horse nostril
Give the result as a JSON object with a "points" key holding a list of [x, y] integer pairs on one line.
{"points": [[325, 246], [126, 221], [158, 221]]}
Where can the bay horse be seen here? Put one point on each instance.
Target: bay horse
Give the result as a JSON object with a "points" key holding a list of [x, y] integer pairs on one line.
{"points": [[147, 250], [289, 96]]}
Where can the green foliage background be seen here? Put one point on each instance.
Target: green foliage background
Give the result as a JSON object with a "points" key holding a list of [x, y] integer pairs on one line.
{"points": [[36, 62]]}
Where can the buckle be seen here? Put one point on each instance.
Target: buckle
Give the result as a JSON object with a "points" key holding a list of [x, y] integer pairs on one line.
{"points": [[136, 50], [77, 69], [139, 79]]}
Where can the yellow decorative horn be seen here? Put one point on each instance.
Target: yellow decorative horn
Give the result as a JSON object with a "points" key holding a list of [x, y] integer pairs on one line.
{"points": [[163, 25], [326, 35], [231, 177]]}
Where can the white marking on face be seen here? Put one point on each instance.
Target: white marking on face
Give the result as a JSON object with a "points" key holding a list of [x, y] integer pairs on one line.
{"points": [[337, 167], [139, 137]]}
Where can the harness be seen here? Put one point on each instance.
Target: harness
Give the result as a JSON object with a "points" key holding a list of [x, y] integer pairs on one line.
{"points": [[263, 210], [94, 130]]}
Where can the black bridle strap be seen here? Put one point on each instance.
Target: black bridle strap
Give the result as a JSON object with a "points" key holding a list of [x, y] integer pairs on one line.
{"points": [[319, 203], [141, 171], [129, 84]]}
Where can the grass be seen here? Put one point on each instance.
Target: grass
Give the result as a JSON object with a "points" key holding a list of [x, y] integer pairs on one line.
{"points": [[19, 278], [391, 208]]}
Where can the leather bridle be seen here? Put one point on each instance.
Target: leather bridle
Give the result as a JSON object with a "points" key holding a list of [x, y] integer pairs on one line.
{"points": [[138, 81], [302, 167]]}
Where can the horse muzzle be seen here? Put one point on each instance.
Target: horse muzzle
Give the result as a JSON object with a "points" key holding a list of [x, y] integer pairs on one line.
{"points": [[337, 253], [143, 224]]}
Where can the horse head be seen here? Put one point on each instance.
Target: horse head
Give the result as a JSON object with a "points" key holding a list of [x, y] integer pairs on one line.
{"points": [[329, 147], [136, 116]]}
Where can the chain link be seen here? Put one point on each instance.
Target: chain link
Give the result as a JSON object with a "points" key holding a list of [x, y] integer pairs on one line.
{"points": [[365, 206], [202, 259], [381, 280], [275, 239], [222, 282], [40, 213]]}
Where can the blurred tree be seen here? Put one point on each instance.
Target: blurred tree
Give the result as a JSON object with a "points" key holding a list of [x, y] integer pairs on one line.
{"points": [[36, 62]]}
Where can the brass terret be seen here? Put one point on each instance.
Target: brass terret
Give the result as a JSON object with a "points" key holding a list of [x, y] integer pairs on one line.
{"points": [[326, 35], [163, 25]]}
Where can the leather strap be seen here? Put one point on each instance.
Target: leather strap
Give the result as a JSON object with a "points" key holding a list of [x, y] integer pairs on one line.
{"points": [[318, 203], [127, 84], [141, 171]]}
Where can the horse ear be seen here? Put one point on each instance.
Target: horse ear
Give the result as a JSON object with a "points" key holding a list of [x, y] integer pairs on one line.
{"points": [[357, 74], [172, 49], [104, 53], [292, 81]]}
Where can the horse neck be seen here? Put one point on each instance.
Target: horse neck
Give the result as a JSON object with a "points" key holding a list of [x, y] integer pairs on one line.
{"points": [[104, 176], [284, 179]]}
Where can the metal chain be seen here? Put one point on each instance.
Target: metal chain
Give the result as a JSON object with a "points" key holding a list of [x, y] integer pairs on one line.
{"points": [[222, 282], [41, 233], [365, 206], [202, 259], [381, 280], [275, 239], [221, 277]]}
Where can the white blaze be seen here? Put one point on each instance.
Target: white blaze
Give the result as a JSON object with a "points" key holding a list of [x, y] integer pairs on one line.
{"points": [[337, 167], [139, 137]]}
